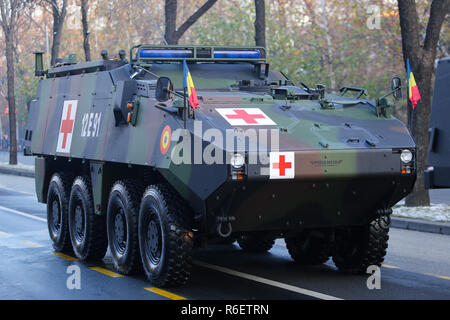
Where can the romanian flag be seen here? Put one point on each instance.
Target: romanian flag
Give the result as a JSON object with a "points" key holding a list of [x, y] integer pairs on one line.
{"points": [[413, 90], [189, 84]]}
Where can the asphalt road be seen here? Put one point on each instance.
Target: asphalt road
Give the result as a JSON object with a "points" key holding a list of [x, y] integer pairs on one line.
{"points": [[417, 266]]}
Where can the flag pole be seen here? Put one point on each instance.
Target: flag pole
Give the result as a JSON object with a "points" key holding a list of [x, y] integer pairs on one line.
{"points": [[185, 107]]}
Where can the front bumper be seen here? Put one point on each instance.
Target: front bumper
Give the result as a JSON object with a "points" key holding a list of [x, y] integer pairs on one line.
{"points": [[328, 189]]}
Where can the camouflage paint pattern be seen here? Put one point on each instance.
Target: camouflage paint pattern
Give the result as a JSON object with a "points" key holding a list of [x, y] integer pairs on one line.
{"points": [[347, 158]]}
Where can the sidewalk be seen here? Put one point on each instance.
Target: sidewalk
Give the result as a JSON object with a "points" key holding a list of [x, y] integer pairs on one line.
{"points": [[422, 223], [19, 169]]}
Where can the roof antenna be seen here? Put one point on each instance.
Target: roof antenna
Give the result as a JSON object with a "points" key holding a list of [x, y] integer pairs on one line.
{"points": [[154, 23]]}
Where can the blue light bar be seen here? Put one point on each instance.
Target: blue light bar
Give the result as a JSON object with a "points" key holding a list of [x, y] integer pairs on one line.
{"points": [[164, 53], [237, 54]]}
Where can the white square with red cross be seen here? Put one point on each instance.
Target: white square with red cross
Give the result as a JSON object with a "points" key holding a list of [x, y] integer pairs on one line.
{"points": [[66, 126], [282, 165], [245, 116]]}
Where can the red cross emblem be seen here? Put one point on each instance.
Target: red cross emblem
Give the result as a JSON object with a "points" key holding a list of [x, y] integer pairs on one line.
{"points": [[248, 118], [245, 116], [282, 165], [66, 128]]}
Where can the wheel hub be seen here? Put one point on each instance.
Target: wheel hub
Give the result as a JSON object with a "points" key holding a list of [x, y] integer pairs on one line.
{"points": [[79, 225], [153, 238], [56, 217], [120, 231]]}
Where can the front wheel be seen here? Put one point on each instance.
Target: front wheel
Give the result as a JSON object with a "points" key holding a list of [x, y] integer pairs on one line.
{"points": [[165, 238], [359, 247], [307, 248], [256, 242]]}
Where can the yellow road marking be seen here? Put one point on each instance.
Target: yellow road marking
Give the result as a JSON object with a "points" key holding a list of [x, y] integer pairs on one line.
{"points": [[390, 267], [427, 274], [438, 276], [64, 256], [31, 244], [107, 272], [165, 293]]}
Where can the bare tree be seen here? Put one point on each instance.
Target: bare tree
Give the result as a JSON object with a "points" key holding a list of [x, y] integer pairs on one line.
{"points": [[329, 47], [10, 13], [59, 11], [260, 23], [172, 34], [84, 22], [422, 55]]}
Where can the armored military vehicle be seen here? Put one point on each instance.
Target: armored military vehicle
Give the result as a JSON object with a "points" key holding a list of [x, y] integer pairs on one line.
{"points": [[437, 174], [125, 161]]}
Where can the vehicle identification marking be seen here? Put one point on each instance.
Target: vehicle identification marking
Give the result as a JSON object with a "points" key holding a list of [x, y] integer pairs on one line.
{"points": [[245, 116], [90, 124], [282, 165], [164, 143], [66, 127]]}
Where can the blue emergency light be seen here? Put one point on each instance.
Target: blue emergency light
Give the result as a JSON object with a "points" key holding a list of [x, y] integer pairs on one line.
{"points": [[198, 53], [165, 53], [237, 54]]}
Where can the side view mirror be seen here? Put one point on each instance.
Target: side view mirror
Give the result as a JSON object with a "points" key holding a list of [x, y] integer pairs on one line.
{"points": [[397, 88], [164, 89]]}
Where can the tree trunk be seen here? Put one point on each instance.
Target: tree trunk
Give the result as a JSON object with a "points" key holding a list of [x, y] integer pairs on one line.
{"points": [[172, 34], [260, 23], [329, 55], [170, 10], [422, 57], [58, 23], [11, 97], [84, 21]]}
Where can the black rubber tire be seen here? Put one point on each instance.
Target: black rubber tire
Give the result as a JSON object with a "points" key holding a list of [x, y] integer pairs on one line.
{"points": [[225, 241], [307, 249], [87, 229], [359, 248], [255, 242], [166, 240], [57, 211], [122, 226]]}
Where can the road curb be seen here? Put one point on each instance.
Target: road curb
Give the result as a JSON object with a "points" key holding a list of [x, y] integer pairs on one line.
{"points": [[421, 225], [398, 223], [17, 172]]}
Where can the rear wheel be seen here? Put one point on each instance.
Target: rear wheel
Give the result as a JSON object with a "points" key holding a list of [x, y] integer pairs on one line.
{"points": [[358, 248], [57, 211], [256, 242], [87, 229], [307, 248], [122, 226], [165, 237]]}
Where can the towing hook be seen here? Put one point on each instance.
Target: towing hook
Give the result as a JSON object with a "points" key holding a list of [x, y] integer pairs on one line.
{"points": [[227, 233], [227, 220]]}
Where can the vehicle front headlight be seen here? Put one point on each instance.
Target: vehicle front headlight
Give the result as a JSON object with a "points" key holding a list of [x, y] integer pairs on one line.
{"points": [[237, 161], [406, 156]]}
